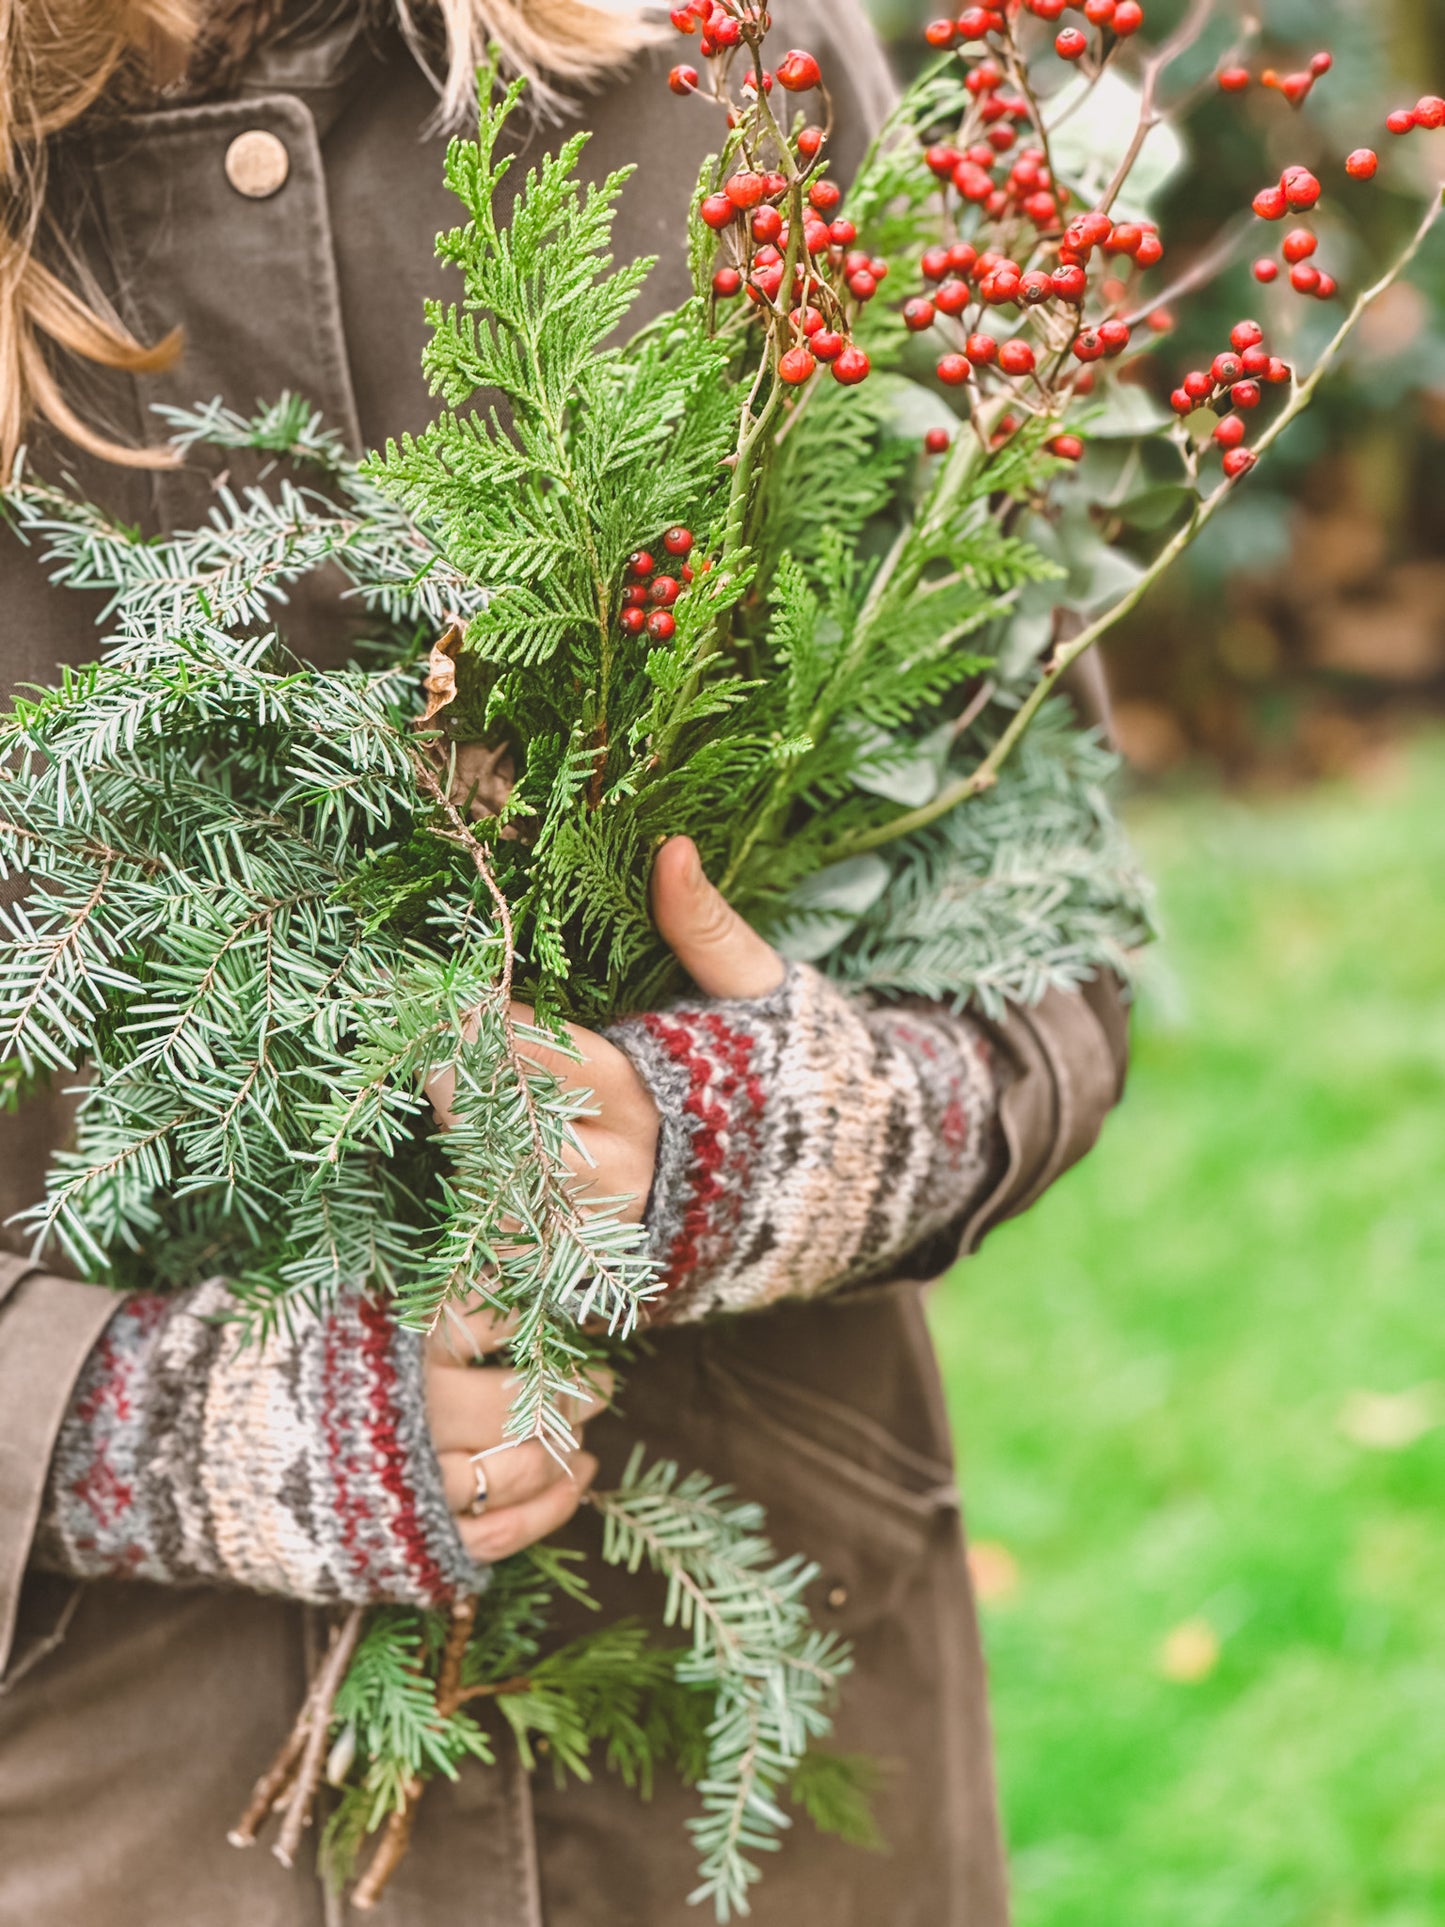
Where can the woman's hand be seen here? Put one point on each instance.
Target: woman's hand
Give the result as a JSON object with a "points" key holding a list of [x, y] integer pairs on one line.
{"points": [[529, 1493]]}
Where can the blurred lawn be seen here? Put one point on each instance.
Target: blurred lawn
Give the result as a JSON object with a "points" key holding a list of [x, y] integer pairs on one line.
{"points": [[1156, 1380]]}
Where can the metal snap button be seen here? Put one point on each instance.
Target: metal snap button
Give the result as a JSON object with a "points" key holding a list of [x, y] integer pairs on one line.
{"points": [[837, 1597], [257, 164]]}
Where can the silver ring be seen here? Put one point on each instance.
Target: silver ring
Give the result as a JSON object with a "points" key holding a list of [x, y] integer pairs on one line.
{"points": [[482, 1493]]}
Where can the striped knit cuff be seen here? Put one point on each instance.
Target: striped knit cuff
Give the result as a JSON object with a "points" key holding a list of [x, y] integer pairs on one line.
{"points": [[301, 1465], [806, 1141]]}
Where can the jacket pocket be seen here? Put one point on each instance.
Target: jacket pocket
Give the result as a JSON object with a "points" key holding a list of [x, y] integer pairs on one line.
{"points": [[837, 1488]]}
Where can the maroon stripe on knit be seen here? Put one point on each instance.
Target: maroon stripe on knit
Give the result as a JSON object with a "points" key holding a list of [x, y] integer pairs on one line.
{"points": [[718, 1067], [105, 1495], [390, 1459]]}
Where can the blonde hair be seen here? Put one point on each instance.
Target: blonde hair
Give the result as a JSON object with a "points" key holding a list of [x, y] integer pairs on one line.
{"points": [[59, 58]]}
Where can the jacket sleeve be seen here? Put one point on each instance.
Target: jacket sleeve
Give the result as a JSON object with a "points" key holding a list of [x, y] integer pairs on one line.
{"points": [[300, 1464]]}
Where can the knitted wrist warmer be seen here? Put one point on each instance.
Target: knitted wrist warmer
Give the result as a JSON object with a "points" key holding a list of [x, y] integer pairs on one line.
{"points": [[301, 1466], [807, 1140]]}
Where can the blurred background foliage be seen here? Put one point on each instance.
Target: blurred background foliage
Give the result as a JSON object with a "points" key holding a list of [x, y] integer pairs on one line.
{"points": [[1308, 624], [1199, 1389]]}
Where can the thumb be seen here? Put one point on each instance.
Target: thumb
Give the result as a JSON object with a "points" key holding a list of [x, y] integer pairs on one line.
{"points": [[724, 956]]}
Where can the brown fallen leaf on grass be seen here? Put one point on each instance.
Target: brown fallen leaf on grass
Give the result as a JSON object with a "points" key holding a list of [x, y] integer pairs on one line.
{"points": [[994, 1570], [1390, 1421], [1190, 1652]]}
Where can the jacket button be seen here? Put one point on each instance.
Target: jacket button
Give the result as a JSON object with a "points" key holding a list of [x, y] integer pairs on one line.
{"points": [[257, 164]]}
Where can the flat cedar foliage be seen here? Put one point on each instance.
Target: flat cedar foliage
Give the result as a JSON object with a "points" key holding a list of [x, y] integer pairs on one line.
{"points": [[266, 902]]}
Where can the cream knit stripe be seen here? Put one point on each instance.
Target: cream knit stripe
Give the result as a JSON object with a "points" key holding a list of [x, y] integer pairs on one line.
{"points": [[807, 1140], [301, 1465]]}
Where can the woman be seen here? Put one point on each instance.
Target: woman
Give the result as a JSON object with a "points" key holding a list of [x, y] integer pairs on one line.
{"points": [[175, 1518]]}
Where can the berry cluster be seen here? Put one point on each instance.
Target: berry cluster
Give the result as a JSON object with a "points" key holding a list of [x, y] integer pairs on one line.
{"points": [[1296, 87], [782, 242], [1231, 388], [652, 587]]}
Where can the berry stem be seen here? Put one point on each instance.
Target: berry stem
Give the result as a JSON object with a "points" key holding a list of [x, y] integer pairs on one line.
{"points": [[986, 774], [1150, 112]]}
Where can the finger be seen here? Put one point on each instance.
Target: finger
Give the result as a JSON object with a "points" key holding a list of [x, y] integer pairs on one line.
{"points": [[512, 1475], [598, 1067], [468, 1329], [724, 956], [497, 1535]]}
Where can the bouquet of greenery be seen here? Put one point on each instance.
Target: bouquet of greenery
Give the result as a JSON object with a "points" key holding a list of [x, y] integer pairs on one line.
{"points": [[749, 575]]}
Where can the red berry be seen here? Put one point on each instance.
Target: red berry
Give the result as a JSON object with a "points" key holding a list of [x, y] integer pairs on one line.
{"points": [[1327, 287], [825, 196], [683, 19], [1401, 121], [1017, 358], [1298, 245], [962, 257], [1088, 347], [975, 22], [940, 159], [1070, 283], [878, 267], [953, 297], [1321, 63], [745, 190], [1198, 386], [1233, 80], [936, 441], [1226, 369], [1279, 371], [827, 344], [795, 367], [1304, 278], [953, 370], [664, 591], [1361, 165], [1245, 334], [918, 314], [935, 264], [1266, 270], [1295, 87], [798, 71], [683, 80], [632, 622], [1068, 448], [1035, 287], [1002, 285], [1256, 362], [1115, 337], [1128, 18], [809, 141], [1239, 461], [1430, 111], [1270, 204], [662, 625], [1095, 227], [939, 33], [678, 540], [1099, 13], [851, 367], [1150, 251], [1182, 402], [982, 350], [1301, 189], [727, 282], [1071, 44], [723, 31], [640, 563], [718, 211], [842, 233], [1230, 431], [1246, 394], [862, 286], [767, 225], [634, 596]]}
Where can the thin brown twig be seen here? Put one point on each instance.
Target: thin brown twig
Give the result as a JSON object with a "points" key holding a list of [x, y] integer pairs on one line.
{"points": [[1150, 112], [317, 1717]]}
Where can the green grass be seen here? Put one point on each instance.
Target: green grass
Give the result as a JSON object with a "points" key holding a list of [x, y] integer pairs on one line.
{"points": [[1148, 1374]]}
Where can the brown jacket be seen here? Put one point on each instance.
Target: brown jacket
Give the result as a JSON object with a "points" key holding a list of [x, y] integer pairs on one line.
{"points": [[133, 1719]]}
